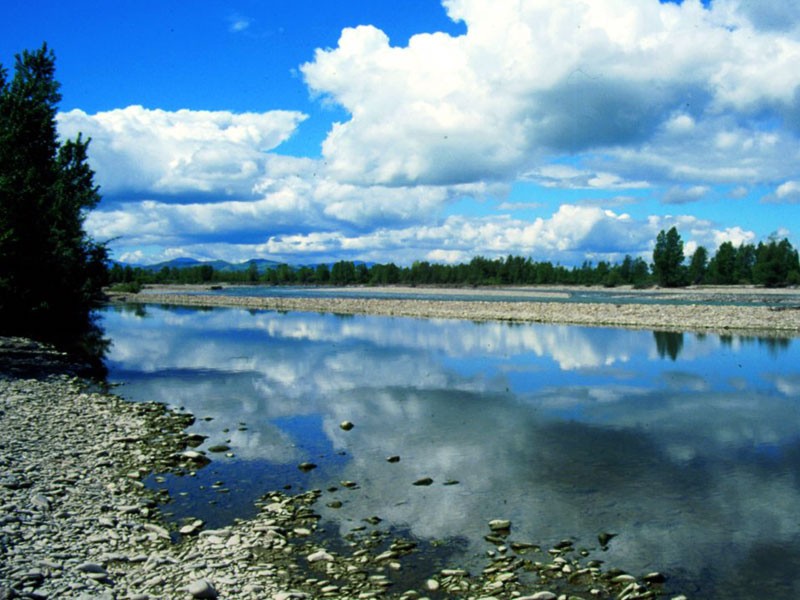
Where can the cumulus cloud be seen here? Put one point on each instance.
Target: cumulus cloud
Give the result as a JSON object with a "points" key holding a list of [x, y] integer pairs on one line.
{"points": [[137, 151], [529, 79], [600, 95], [786, 193], [569, 235]]}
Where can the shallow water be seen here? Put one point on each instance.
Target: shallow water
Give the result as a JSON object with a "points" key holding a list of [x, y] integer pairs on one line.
{"points": [[686, 445]]}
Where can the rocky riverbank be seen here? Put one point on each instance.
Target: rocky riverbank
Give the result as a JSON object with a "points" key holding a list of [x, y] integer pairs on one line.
{"points": [[702, 315], [77, 521]]}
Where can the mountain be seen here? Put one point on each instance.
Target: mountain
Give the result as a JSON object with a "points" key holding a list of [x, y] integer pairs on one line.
{"points": [[262, 264], [219, 265]]}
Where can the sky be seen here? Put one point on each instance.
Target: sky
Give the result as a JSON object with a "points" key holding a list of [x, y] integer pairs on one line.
{"points": [[382, 131]]}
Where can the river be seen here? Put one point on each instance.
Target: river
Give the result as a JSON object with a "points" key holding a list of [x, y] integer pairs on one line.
{"points": [[686, 446]]}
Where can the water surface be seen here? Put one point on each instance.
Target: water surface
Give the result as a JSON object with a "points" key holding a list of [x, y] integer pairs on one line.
{"points": [[686, 445]]}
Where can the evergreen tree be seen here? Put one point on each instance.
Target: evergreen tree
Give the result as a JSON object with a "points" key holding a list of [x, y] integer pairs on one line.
{"points": [[776, 264], [698, 265], [668, 259], [50, 271], [722, 268]]}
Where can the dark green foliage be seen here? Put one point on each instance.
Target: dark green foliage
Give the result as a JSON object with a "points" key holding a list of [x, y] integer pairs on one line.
{"points": [[722, 268], [51, 273], [776, 264], [668, 259], [698, 266]]}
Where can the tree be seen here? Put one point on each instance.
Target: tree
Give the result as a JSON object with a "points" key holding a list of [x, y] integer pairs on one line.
{"points": [[51, 272], [722, 268], [775, 263], [668, 259], [698, 266]]}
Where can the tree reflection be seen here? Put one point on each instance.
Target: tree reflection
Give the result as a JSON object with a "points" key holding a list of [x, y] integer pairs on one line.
{"points": [[669, 343], [81, 349]]}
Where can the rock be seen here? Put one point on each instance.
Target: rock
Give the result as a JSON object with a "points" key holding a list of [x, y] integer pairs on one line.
{"points": [[202, 588], [500, 525], [195, 457], [393, 459], [219, 448], [305, 467], [605, 537], [40, 501], [158, 530], [424, 481], [192, 527], [346, 425], [545, 595], [89, 567], [319, 556]]}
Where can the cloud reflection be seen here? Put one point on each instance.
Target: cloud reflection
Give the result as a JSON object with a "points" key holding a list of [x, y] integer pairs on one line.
{"points": [[564, 430]]}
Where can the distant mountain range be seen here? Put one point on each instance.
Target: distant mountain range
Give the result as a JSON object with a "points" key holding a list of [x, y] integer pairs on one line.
{"points": [[262, 264]]}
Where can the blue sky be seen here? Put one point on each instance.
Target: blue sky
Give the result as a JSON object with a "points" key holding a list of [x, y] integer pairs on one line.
{"points": [[565, 130]]}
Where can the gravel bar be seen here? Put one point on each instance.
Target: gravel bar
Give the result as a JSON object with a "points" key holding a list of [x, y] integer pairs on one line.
{"points": [[673, 317]]}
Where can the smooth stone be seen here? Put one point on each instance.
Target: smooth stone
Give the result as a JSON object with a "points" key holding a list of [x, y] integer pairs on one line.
{"points": [[346, 425], [540, 596], [319, 556], [654, 578], [157, 529], [393, 459], [89, 567], [40, 501], [202, 588], [306, 466], [499, 524], [424, 481]]}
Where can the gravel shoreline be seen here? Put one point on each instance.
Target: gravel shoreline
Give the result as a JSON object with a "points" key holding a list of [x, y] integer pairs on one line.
{"points": [[700, 316], [77, 521]]}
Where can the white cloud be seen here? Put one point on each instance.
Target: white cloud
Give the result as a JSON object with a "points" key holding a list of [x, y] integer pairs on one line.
{"points": [[238, 23], [139, 152], [786, 193], [568, 236], [541, 76], [685, 195], [598, 95]]}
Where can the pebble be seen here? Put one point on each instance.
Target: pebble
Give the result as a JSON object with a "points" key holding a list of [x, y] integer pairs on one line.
{"points": [[499, 524], [319, 555], [202, 588]]}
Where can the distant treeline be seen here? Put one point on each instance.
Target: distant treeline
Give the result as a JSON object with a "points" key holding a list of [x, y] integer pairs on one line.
{"points": [[772, 264]]}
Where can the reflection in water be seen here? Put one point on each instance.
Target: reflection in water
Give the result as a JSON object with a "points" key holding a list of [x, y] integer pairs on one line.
{"points": [[668, 343], [567, 431]]}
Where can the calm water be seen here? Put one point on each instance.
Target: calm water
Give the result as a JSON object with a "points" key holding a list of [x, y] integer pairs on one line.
{"points": [[686, 445]]}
